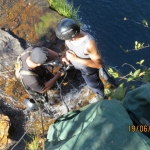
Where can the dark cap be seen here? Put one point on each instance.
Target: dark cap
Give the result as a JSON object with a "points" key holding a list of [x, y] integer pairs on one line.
{"points": [[39, 55]]}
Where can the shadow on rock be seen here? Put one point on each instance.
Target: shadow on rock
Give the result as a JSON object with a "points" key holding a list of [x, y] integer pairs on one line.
{"points": [[23, 43], [50, 40], [16, 130]]}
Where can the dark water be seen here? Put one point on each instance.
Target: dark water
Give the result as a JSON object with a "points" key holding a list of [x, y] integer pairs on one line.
{"points": [[105, 21]]}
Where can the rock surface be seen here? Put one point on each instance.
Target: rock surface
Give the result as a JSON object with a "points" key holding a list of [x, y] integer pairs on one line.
{"points": [[4, 128], [30, 20], [10, 48]]}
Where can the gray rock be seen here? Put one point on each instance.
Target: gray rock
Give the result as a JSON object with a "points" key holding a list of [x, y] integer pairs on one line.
{"points": [[10, 48]]}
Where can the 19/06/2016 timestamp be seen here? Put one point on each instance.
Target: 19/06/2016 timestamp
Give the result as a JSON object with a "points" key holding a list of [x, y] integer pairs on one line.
{"points": [[141, 128]]}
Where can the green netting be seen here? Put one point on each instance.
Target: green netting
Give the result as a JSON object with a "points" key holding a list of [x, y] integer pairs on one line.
{"points": [[99, 126]]}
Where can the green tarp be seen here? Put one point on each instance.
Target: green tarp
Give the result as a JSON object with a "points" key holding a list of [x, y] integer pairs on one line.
{"points": [[100, 126], [137, 102]]}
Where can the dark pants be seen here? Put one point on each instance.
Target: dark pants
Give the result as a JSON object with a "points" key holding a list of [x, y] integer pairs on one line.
{"points": [[46, 75], [93, 81]]}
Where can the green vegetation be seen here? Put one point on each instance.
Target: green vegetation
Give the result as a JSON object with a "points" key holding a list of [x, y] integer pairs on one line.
{"points": [[140, 75], [65, 9], [145, 23], [47, 20], [138, 45], [35, 144]]}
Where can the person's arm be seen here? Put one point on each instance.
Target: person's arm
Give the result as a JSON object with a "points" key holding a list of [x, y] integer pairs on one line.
{"points": [[95, 60], [53, 54], [62, 58], [51, 82], [36, 84]]}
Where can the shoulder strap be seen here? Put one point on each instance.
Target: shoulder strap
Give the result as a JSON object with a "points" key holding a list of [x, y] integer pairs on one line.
{"points": [[25, 52], [18, 68], [19, 57], [27, 72], [24, 72]]}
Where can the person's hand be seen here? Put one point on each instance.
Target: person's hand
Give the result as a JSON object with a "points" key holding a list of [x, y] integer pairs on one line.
{"points": [[65, 61], [61, 72], [71, 55]]}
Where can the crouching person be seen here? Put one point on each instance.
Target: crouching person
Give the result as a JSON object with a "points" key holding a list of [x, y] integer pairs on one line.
{"points": [[36, 78]]}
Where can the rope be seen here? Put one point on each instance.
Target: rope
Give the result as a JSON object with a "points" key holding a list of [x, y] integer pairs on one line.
{"points": [[40, 111], [22, 135], [29, 128], [61, 94]]}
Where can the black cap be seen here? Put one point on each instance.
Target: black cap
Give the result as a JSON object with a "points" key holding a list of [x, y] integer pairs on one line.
{"points": [[39, 55]]}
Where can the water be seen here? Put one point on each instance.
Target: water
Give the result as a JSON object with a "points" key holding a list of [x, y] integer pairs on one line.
{"points": [[105, 21]]}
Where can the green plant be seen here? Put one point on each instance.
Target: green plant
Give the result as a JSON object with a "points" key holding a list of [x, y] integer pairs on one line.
{"points": [[35, 143], [140, 75], [146, 77], [113, 73], [65, 9], [145, 23], [119, 92], [138, 45], [46, 21]]}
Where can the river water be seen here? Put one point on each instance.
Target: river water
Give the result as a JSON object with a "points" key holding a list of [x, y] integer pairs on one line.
{"points": [[105, 21]]}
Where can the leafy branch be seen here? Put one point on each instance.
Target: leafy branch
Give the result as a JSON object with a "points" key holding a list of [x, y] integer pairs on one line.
{"points": [[142, 74], [138, 46], [144, 22]]}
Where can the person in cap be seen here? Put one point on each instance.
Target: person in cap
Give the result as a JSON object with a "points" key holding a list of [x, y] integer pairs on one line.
{"points": [[82, 52], [33, 61]]}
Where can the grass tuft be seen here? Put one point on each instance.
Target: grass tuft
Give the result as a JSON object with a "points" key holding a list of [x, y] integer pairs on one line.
{"points": [[65, 9], [35, 144]]}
